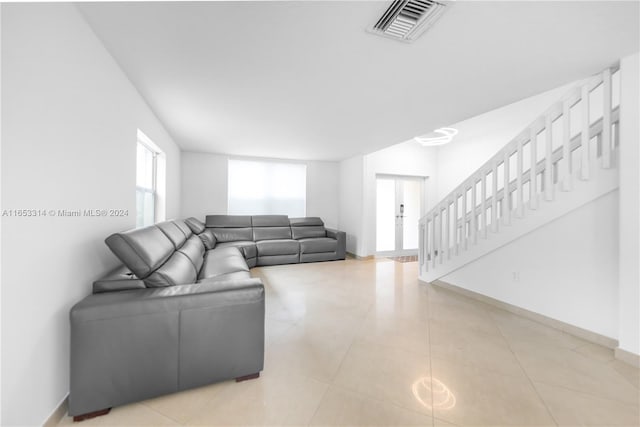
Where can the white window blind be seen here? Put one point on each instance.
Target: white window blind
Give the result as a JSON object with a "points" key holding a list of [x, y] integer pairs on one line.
{"points": [[262, 188]]}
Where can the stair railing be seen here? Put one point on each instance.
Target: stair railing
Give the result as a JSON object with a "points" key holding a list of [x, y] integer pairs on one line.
{"points": [[553, 154]]}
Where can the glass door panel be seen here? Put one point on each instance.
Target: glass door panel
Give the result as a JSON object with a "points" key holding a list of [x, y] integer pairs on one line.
{"points": [[398, 210], [411, 192], [385, 214]]}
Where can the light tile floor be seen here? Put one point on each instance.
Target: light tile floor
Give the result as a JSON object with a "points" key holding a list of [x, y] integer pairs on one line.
{"points": [[362, 343]]}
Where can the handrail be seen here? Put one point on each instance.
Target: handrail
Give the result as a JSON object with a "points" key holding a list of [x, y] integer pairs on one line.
{"points": [[576, 142], [537, 125]]}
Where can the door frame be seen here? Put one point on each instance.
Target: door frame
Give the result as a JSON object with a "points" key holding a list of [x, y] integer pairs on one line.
{"points": [[423, 187]]}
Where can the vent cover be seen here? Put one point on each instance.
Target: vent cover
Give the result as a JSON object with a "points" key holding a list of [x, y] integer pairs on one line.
{"points": [[406, 19]]}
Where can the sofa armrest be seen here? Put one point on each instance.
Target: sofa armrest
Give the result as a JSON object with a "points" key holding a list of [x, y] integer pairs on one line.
{"points": [[170, 298], [341, 237]]}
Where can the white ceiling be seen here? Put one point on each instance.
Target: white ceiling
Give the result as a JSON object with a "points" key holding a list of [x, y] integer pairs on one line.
{"points": [[304, 80]]}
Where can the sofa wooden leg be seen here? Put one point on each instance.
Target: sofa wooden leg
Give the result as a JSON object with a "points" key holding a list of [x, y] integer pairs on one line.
{"points": [[248, 377], [90, 415]]}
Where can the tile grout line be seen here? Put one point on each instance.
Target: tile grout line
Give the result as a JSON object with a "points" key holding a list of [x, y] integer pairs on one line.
{"points": [[160, 413], [526, 374], [397, 405], [433, 415], [331, 382], [611, 362], [585, 393], [570, 349], [324, 393]]}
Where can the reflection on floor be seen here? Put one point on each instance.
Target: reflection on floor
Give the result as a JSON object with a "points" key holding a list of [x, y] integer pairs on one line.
{"points": [[362, 343]]}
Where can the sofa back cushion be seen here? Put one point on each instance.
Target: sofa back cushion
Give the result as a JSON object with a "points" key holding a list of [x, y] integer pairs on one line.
{"points": [[173, 232], [228, 221], [142, 250], [230, 228], [308, 227], [194, 250], [195, 225], [270, 227], [208, 239], [177, 270], [183, 227]]}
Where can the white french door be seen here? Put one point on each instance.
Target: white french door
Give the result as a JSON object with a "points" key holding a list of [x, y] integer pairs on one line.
{"points": [[399, 205]]}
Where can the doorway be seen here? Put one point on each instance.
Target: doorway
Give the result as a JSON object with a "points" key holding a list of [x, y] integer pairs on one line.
{"points": [[399, 206]]}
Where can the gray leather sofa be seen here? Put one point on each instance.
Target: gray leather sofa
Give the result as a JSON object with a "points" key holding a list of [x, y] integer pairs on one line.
{"points": [[183, 311], [277, 239], [183, 316]]}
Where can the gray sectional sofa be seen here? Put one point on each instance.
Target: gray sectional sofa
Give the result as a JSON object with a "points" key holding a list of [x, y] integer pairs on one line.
{"points": [[277, 239], [183, 310]]}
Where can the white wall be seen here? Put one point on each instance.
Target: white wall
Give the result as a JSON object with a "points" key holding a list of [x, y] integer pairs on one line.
{"points": [[629, 336], [358, 188], [70, 118], [568, 269], [481, 137], [323, 198], [351, 203], [204, 186], [408, 159]]}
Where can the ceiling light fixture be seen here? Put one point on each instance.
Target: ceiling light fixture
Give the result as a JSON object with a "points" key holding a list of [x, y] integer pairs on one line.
{"points": [[445, 135]]}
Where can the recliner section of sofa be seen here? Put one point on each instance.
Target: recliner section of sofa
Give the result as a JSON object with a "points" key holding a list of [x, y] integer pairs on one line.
{"points": [[272, 234], [316, 242]]}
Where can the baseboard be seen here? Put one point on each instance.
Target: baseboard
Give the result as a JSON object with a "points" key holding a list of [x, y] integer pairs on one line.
{"points": [[57, 414], [531, 315], [627, 357], [360, 258]]}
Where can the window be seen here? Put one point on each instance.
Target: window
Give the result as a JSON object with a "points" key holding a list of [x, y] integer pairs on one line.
{"points": [[265, 187], [150, 182]]}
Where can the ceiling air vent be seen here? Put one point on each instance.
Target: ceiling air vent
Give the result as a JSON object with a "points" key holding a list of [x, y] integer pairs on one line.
{"points": [[406, 19]]}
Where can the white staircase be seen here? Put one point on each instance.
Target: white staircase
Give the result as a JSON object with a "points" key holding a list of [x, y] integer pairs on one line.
{"points": [[563, 160]]}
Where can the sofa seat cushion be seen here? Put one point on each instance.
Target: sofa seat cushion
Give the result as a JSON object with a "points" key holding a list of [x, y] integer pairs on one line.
{"points": [[318, 245], [221, 261], [278, 247], [278, 259], [247, 247]]}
